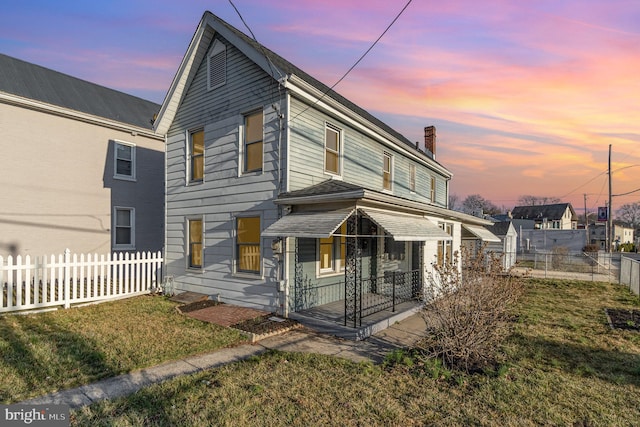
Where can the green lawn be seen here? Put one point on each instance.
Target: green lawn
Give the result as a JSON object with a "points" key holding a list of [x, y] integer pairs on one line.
{"points": [[46, 352], [562, 365]]}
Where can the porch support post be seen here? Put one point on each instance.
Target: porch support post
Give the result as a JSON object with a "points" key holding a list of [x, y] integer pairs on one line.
{"points": [[352, 310], [298, 296]]}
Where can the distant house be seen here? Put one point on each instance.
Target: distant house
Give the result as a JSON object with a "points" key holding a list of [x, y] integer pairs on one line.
{"points": [[559, 216], [285, 196], [621, 235], [81, 167]]}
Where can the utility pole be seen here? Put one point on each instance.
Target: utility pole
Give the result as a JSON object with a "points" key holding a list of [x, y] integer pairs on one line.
{"points": [[609, 209], [586, 221]]}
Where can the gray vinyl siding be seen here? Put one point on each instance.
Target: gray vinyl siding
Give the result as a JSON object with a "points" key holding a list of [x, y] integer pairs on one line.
{"points": [[362, 158], [223, 194]]}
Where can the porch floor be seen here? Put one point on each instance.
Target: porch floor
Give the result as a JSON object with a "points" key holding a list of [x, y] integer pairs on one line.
{"points": [[329, 319]]}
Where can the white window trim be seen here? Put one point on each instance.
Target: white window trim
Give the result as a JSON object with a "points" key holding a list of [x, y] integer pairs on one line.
{"points": [[244, 274], [388, 154], [340, 133], [412, 178], [241, 143], [132, 218], [188, 162], [433, 184], [338, 267], [116, 175], [187, 246], [217, 48]]}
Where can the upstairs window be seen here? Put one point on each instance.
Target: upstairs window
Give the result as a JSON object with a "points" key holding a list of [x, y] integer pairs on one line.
{"points": [[125, 161], [332, 146], [432, 189], [196, 155], [217, 66], [387, 165], [412, 178], [253, 142]]}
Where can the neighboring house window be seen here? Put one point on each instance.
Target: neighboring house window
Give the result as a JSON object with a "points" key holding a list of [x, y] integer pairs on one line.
{"points": [[195, 246], [196, 156], [248, 245], [125, 161], [445, 247], [124, 227], [217, 65], [253, 137], [332, 252], [332, 148], [432, 189], [412, 178], [387, 175]]}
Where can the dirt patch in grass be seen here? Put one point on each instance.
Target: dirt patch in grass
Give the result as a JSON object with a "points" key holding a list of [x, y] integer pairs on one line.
{"points": [[267, 324], [624, 319], [198, 305]]}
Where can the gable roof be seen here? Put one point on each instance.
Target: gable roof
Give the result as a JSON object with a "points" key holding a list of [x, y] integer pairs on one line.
{"points": [[277, 67], [33, 82], [550, 212]]}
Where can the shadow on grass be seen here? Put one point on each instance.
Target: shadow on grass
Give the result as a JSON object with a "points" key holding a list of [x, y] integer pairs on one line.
{"points": [[616, 367], [39, 356]]}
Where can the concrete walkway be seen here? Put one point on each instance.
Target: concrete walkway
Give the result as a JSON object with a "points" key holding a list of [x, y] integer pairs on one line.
{"points": [[400, 335]]}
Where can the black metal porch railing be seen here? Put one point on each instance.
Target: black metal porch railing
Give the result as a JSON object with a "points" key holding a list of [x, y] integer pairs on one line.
{"points": [[377, 294]]}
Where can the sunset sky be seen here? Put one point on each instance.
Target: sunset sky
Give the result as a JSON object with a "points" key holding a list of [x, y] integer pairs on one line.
{"points": [[526, 96]]}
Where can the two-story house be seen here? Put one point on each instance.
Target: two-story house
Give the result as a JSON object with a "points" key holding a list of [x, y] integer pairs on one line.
{"points": [[82, 168], [285, 196], [558, 216]]}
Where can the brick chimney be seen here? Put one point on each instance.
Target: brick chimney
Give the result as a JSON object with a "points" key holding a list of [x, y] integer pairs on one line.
{"points": [[430, 139]]}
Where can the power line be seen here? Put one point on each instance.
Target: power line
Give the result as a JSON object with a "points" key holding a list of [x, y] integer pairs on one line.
{"points": [[358, 61]]}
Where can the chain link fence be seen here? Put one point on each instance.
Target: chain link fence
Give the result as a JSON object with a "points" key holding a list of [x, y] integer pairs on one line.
{"points": [[563, 264]]}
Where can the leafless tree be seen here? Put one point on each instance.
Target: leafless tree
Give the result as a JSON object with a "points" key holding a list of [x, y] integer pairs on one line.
{"points": [[630, 214], [529, 200]]}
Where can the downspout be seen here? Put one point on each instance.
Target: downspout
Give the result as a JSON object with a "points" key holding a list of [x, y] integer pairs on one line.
{"points": [[164, 226], [287, 240]]}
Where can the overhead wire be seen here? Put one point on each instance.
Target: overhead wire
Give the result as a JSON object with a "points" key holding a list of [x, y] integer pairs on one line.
{"points": [[357, 62]]}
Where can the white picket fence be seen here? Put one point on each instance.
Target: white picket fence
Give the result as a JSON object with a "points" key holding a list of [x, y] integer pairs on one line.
{"points": [[40, 282]]}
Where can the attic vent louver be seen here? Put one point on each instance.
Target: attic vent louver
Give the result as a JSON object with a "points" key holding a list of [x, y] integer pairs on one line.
{"points": [[217, 64]]}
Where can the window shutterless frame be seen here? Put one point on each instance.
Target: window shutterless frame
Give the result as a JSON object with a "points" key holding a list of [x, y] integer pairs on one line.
{"points": [[332, 149], [123, 228], [195, 156], [195, 243], [252, 144], [248, 250], [124, 160]]}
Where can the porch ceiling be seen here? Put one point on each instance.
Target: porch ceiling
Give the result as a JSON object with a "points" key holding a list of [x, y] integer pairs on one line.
{"points": [[405, 227], [316, 224], [481, 233]]}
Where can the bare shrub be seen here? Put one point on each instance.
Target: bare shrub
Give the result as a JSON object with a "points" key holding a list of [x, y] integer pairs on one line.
{"points": [[467, 311], [559, 257]]}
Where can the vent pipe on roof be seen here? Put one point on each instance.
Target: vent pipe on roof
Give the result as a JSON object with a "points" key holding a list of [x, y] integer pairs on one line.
{"points": [[430, 139]]}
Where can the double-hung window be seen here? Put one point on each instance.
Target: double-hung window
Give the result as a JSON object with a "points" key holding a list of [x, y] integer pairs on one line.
{"points": [[432, 189], [412, 178], [332, 252], [125, 161], [124, 228], [248, 258], [196, 156], [195, 246], [253, 138], [332, 149], [387, 171], [445, 247]]}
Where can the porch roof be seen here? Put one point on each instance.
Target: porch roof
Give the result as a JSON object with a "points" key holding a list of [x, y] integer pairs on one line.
{"points": [[481, 233], [406, 228], [324, 223], [315, 224]]}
